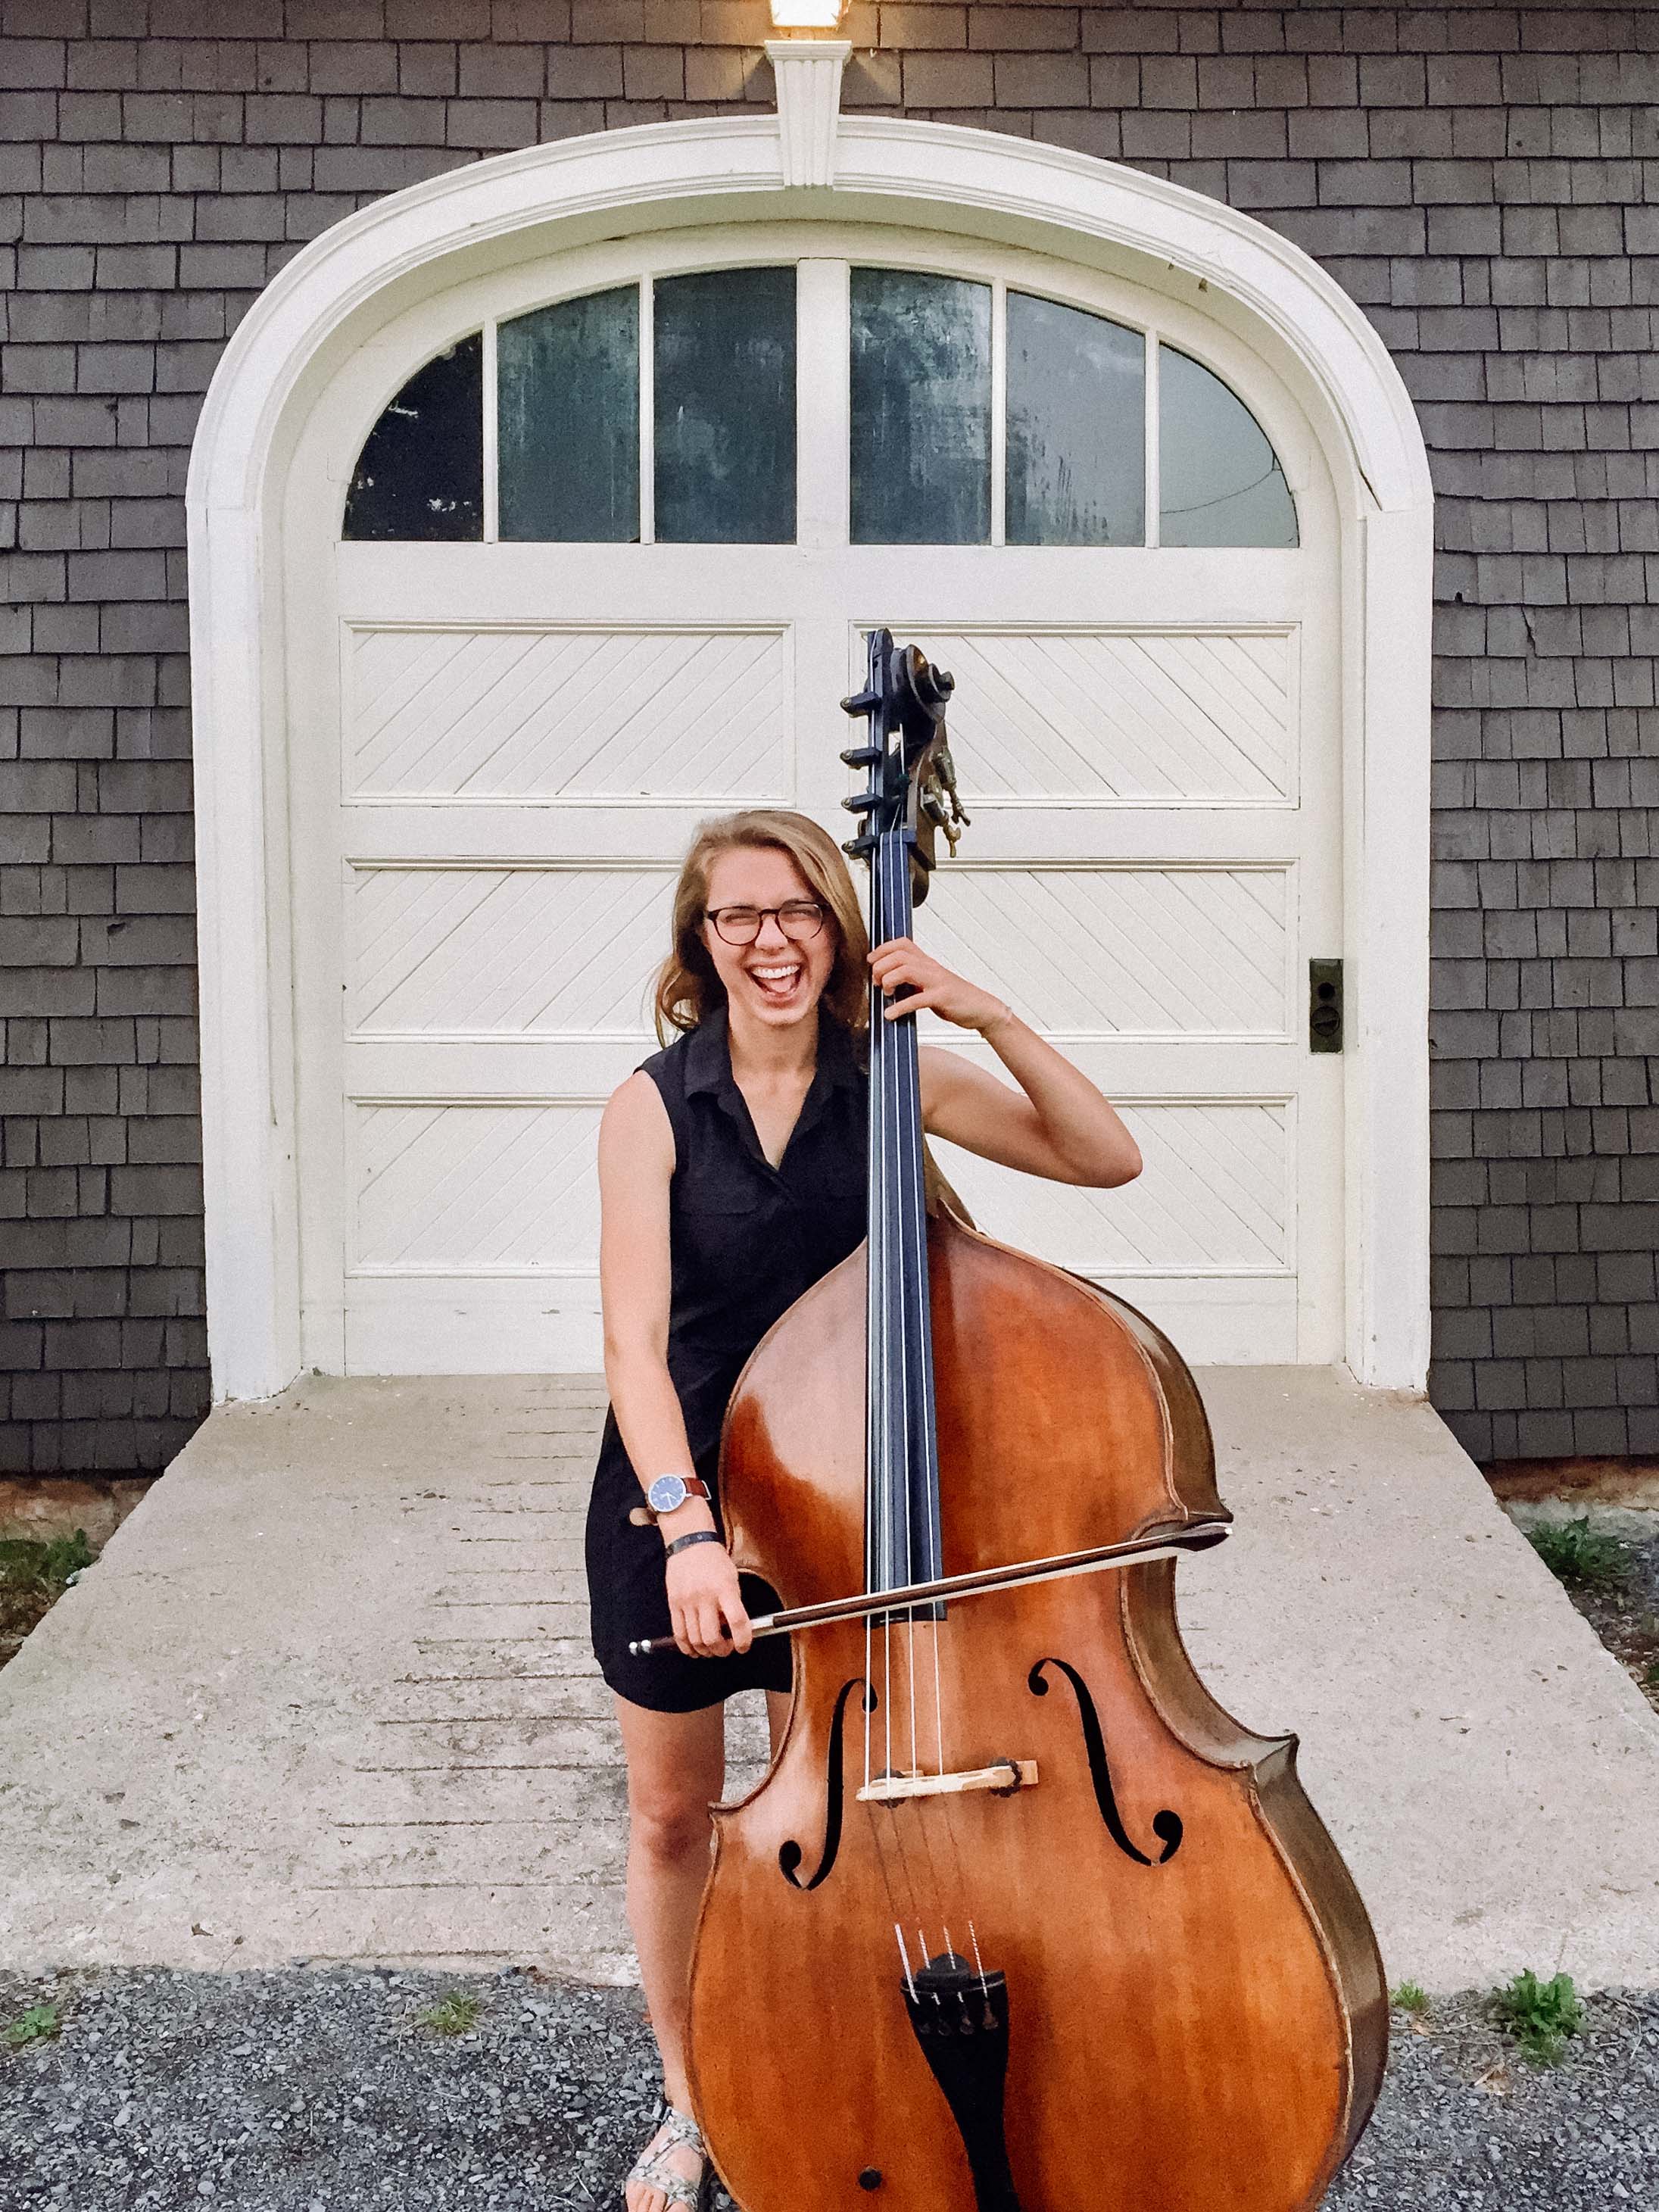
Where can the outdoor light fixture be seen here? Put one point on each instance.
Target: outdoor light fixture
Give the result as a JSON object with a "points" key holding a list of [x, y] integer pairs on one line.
{"points": [[808, 14]]}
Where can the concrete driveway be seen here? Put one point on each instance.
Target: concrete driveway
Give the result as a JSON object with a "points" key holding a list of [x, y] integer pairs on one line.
{"points": [[328, 1695]]}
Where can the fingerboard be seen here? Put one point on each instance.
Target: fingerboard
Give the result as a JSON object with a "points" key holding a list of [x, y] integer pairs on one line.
{"points": [[902, 1501]]}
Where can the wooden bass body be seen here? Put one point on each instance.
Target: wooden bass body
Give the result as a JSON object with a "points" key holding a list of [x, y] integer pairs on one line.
{"points": [[1191, 2014]]}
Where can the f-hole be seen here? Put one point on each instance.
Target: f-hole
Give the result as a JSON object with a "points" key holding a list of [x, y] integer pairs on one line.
{"points": [[790, 1854], [1166, 1826]]}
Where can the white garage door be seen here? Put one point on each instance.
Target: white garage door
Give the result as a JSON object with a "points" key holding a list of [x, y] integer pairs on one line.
{"points": [[605, 568]]}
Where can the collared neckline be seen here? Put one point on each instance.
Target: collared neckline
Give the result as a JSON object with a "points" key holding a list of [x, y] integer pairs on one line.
{"points": [[709, 1068], [708, 1055]]}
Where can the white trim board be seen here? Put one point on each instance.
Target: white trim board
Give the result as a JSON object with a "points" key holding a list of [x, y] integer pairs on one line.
{"points": [[333, 298]]}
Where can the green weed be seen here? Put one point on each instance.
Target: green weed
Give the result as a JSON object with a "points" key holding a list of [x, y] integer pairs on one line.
{"points": [[28, 1564], [34, 2026], [456, 2012], [1412, 1998], [1540, 2016], [1575, 1552]]}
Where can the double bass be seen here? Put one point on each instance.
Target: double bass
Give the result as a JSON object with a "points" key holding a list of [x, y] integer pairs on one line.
{"points": [[1019, 1919]]}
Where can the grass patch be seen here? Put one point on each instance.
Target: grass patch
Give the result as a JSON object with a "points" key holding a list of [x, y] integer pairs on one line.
{"points": [[34, 1575], [456, 2012], [1412, 1998], [1575, 1552], [37, 2025], [28, 1564], [1540, 2016]]}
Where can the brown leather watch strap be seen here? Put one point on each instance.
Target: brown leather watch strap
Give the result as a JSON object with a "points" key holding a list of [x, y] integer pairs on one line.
{"points": [[646, 1516]]}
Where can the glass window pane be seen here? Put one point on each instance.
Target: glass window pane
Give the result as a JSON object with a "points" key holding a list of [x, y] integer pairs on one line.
{"points": [[568, 421], [1220, 480], [921, 410], [1076, 426], [421, 472], [724, 398]]}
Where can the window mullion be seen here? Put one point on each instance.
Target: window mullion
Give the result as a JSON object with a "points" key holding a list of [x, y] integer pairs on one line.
{"points": [[822, 402], [492, 482], [648, 413], [1154, 496], [999, 412]]}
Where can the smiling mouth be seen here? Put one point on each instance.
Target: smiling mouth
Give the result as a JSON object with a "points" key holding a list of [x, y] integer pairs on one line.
{"points": [[776, 980]]}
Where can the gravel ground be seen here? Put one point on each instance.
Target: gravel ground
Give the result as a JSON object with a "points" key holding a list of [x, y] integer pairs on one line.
{"points": [[319, 2090], [1465, 2120]]}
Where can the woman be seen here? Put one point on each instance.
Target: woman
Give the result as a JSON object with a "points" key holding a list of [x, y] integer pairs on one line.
{"points": [[732, 1176]]}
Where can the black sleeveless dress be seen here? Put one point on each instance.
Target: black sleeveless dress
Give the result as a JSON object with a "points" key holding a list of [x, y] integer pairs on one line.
{"points": [[745, 1239]]}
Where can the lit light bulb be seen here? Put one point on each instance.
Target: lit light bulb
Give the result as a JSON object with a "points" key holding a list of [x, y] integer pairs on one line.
{"points": [[806, 14]]}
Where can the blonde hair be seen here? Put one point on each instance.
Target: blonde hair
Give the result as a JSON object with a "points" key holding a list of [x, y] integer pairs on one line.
{"points": [[688, 989]]}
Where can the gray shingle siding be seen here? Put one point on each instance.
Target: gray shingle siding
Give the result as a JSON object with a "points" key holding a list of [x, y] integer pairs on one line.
{"points": [[1483, 180]]}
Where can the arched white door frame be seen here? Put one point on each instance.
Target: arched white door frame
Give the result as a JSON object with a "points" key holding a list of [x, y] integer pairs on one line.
{"points": [[335, 295]]}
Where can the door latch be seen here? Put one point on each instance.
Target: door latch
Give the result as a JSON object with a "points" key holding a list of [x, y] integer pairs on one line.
{"points": [[1324, 1005]]}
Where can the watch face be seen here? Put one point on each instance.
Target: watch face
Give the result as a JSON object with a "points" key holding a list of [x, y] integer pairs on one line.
{"points": [[666, 1493]]}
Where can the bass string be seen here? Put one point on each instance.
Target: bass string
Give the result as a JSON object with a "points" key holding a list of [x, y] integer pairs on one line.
{"points": [[901, 1047], [895, 1441], [874, 1815], [912, 1198], [896, 1262], [894, 1436], [881, 1442], [912, 1282], [891, 1467], [872, 1379], [910, 1208], [898, 1876], [881, 1431], [877, 1535], [876, 1354], [898, 1233]]}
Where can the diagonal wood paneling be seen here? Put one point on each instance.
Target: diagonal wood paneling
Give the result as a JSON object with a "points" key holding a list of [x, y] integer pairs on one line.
{"points": [[443, 1188], [1212, 1196], [552, 713], [504, 951], [1133, 951], [479, 1189], [1121, 717]]}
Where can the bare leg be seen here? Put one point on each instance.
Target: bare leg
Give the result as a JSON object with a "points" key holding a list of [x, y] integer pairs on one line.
{"points": [[675, 1771]]}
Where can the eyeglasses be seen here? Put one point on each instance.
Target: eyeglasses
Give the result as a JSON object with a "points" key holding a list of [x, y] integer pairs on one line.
{"points": [[799, 919]]}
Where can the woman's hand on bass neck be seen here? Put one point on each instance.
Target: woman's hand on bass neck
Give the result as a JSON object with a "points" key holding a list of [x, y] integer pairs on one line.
{"points": [[902, 961], [1057, 1124]]}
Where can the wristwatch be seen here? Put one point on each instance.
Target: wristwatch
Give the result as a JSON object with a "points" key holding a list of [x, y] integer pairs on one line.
{"points": [[669, 1492]]}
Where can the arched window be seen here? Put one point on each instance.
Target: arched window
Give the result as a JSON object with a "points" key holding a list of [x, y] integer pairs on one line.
{"points": [[421, 472], [666, 410], [568, 419], [1220, 480]]}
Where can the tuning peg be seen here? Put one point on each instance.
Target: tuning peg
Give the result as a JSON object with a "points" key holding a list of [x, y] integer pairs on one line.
{"points": [[861, 702], [863, 755]]}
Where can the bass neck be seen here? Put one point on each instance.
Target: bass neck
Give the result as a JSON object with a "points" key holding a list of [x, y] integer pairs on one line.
{"points": [[902, 1494]]}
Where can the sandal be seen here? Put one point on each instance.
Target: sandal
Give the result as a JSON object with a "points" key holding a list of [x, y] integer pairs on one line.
{"points": [[676, 2130]]}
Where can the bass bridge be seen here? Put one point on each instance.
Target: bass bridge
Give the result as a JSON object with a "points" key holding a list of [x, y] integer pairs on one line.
{"points": [[1004, 1779]]}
